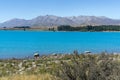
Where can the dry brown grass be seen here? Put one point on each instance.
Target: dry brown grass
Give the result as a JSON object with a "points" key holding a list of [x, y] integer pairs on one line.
{"points": [[28, 77]]}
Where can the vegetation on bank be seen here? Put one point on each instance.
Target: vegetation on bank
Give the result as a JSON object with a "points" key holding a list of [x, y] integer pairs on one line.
{"points": [[91, 67], [28, 77], [89, 28], [68, 28], [63, 67], [25, 28]]}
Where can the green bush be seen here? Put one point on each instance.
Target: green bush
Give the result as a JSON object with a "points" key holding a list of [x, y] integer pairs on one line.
{"points": [[90, 67]]}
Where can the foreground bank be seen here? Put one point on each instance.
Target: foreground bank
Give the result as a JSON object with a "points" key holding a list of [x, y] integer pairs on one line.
{"points": [[65, 67]]}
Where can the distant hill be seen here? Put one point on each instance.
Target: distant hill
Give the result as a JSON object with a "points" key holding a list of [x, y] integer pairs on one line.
{"points": [[51, 20]]}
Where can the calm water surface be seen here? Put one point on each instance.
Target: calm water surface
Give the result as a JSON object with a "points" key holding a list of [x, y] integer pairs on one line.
{"points": [[25, 43]]}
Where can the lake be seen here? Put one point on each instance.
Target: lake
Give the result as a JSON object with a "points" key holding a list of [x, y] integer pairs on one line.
{"points": [[25, 43]]}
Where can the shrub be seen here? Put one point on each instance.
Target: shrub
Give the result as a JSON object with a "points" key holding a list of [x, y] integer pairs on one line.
{"points": [[90, 67]]}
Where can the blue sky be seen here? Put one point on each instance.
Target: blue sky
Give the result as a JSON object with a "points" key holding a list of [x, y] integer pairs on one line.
{"points": [[29, 9]]}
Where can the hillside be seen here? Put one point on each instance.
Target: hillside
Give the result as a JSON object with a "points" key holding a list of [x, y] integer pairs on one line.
{"points": [[51, 20]]}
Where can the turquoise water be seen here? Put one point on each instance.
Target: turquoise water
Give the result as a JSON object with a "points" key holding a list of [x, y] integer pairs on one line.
{"points": [[25, 43]]}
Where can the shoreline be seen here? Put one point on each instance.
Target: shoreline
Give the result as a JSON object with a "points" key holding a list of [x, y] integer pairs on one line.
{"points": [[55, 54], [52, 31]]}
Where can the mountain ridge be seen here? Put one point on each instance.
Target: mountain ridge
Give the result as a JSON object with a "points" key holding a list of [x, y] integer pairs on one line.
{"points": [[52, 20]]}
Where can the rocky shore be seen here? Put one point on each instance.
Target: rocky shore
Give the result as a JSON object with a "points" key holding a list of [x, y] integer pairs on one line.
{"points": [[43, 64]]}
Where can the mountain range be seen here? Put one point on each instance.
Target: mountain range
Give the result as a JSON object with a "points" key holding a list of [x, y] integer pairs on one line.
{"points": [[51, 20]]}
